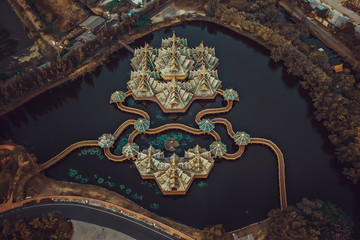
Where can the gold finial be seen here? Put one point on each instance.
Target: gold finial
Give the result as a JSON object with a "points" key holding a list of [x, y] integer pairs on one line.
{"points": [[173, 47]]}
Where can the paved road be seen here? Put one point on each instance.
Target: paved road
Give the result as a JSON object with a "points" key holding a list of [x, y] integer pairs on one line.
{"points": [[93, 215], [319, 30], [347, 12]]}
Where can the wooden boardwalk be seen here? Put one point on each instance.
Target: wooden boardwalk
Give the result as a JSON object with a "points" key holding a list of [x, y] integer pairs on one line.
{"points": [[281, 167], [185, 128]]}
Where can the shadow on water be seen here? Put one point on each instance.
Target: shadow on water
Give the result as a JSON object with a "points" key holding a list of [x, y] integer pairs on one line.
{"points": [[55, 97], [10, 22]]}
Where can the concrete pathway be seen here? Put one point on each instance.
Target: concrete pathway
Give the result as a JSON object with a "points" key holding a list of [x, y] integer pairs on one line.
{"points": [[89, 231]]}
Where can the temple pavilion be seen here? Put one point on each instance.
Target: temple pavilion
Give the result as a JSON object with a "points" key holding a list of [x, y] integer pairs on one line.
{"points": [[174, 75], [174, 174]]}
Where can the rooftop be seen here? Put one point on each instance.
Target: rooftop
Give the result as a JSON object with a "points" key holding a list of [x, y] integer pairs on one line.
{"points": [[174, 75], [174, 174], [92, 22]]}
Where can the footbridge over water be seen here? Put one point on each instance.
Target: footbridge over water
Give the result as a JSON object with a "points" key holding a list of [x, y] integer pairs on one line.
{"points": [[185, 128]]}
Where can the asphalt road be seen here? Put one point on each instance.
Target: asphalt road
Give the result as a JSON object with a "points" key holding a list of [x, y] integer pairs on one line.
{"points": [[319, 30], [94, 215]]}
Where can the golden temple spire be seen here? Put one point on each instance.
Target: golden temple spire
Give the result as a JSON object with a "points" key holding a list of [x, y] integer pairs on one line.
{"points": [[201, 46]]}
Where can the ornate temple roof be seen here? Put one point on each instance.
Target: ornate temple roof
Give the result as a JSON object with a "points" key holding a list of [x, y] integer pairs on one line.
{"points": [[198, 160], [206, 125], [230, 94], [174, 74], [142, 124], [242, 138], [174, 174], [204, 56], [174, 96], [106, 140], [173, 178], [203, 82], [143, 85], [172, 62], [144, 57], [117, 96], [150, 161], [179, 42], [218, 148], [130, 150]]}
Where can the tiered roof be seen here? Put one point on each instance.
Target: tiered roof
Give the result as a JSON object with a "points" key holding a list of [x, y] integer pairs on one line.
{"points": [[179, 42], [204, 56], [149, 161], [144, 57], [173, 178], [203, 82], [174, 174], [174, 96], [174, 74], [143, 85], [198, 160], [172, 62]]}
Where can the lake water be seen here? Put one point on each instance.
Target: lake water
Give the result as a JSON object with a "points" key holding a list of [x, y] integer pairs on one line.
{"points": [[236, 193]]}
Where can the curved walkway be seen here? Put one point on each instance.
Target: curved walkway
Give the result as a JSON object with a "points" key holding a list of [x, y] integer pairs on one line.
{"points": [[133, 110], [115, 158], [176, 126], [123, 126], [66, 151], [234, 156], [215, 110], [281, 167], [130, 109], [227, 124], [182, 127]]}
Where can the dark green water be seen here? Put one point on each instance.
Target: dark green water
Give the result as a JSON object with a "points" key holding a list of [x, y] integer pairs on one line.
{"points": [[236, 193]]}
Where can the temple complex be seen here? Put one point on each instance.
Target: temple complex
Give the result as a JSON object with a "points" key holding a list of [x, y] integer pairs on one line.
{"points": [[174, 75], [174, 174]]}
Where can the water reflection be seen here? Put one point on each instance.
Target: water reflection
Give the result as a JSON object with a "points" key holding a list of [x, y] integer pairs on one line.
{"points": [[9, 20]]}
